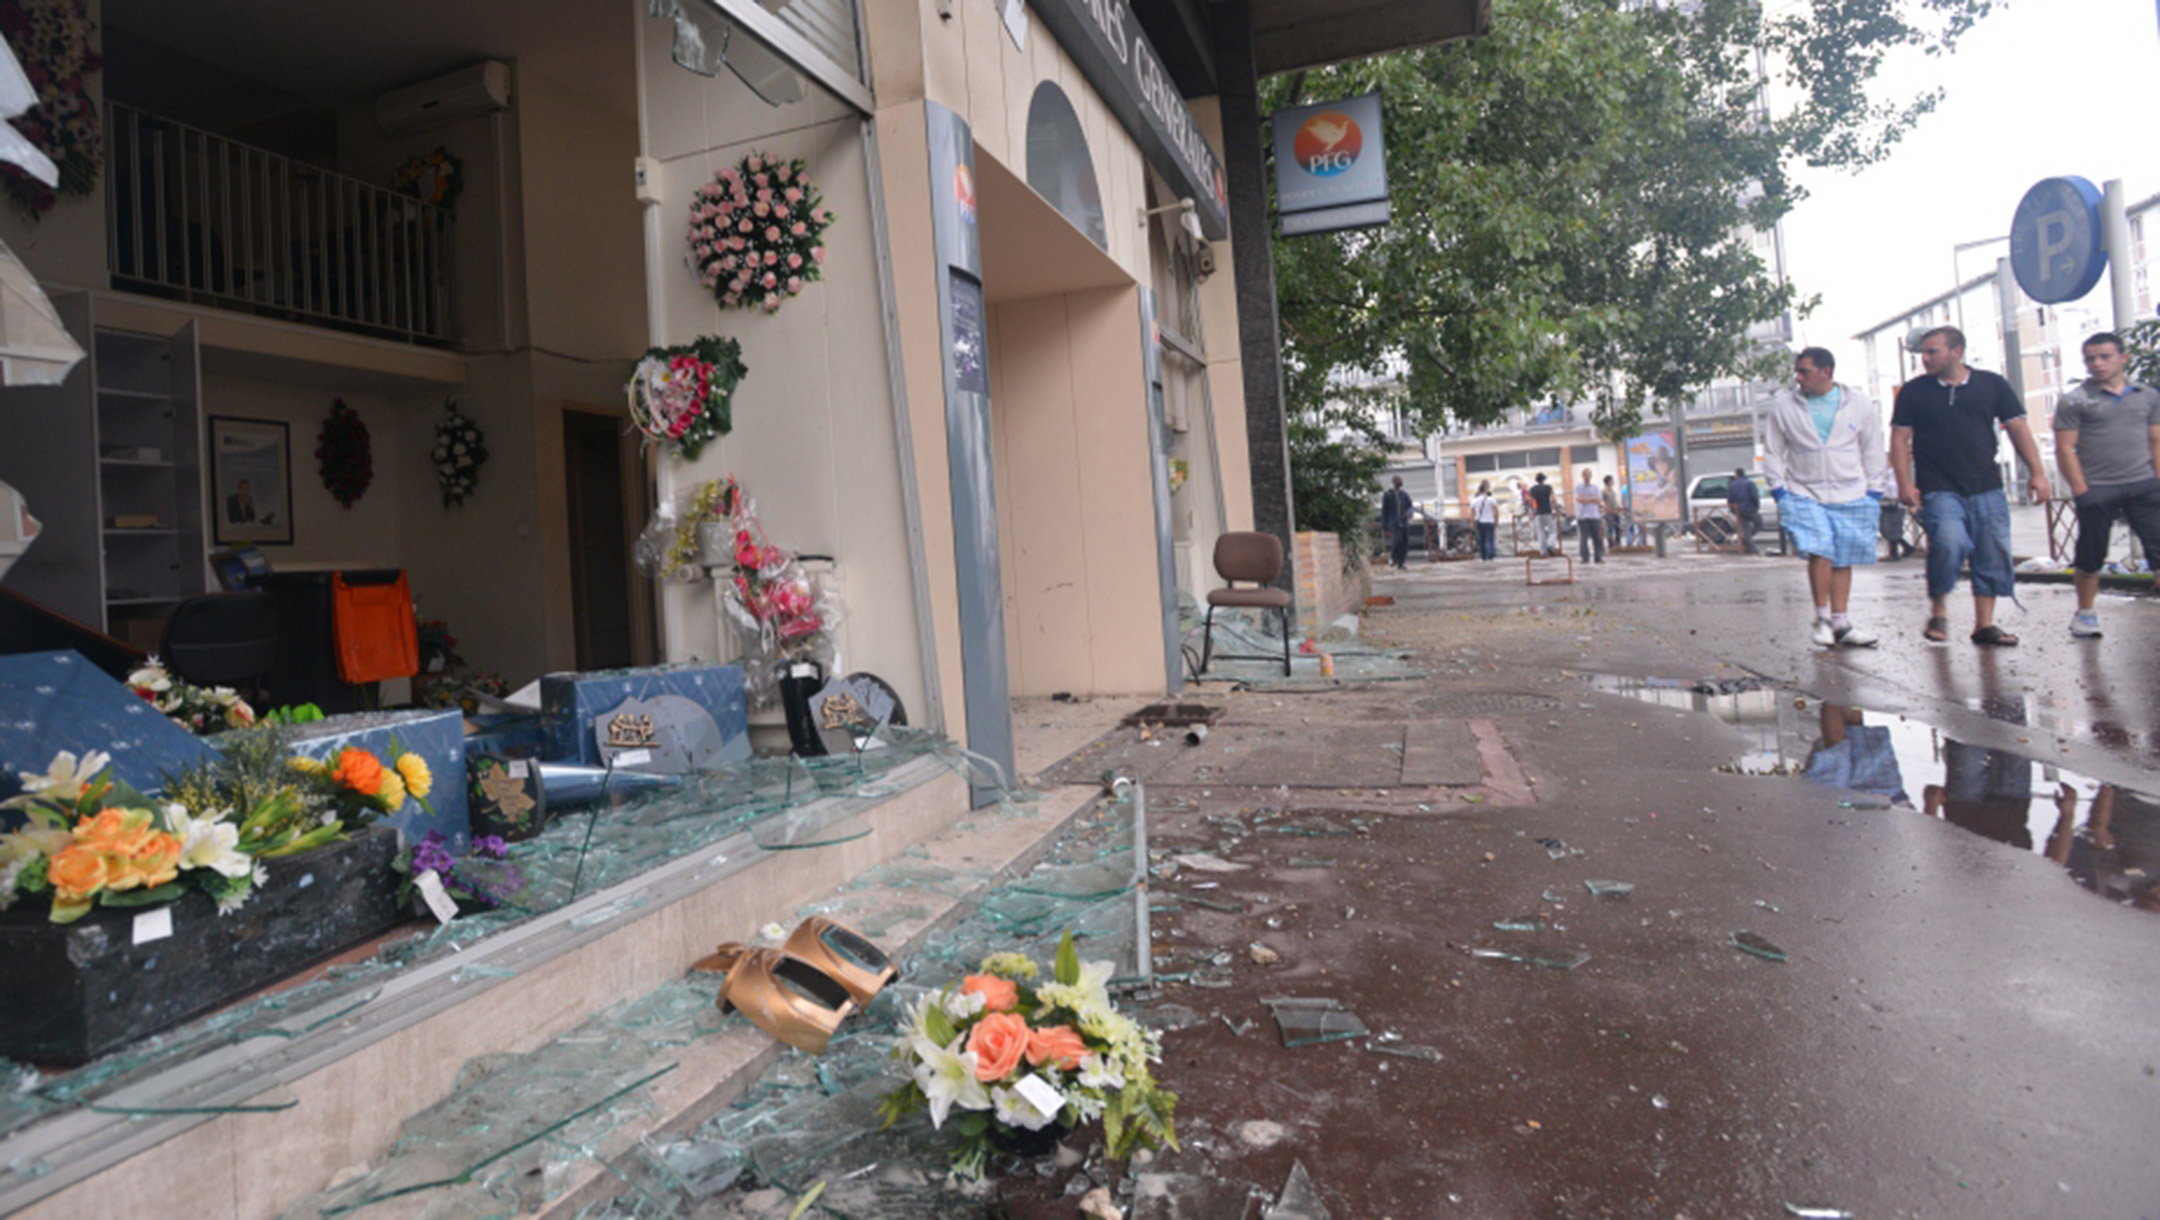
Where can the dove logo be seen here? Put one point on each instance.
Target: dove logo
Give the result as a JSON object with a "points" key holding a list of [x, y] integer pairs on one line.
{"points": [[1328, 144]]}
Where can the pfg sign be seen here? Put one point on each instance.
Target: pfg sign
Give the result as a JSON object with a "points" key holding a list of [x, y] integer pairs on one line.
{"points": [[2056, 250], [1331, 165]]}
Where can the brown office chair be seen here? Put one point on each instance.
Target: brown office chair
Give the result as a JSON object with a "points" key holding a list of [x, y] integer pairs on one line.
{"points": [[1252, 557]]}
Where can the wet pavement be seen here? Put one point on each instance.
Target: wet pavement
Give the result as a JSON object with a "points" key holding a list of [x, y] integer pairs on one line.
{"points": [[1618, 899]]}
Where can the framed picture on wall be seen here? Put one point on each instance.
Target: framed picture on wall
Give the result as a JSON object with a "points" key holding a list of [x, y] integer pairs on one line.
{"points": [[250, 481]]}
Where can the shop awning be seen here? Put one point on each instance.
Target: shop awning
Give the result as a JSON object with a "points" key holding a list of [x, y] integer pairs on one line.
{"points": [[1293, 34], [35, 349]]}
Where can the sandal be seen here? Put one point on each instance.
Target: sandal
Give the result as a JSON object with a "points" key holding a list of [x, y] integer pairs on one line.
{"points": [[1992, 636], [1937, 630]]}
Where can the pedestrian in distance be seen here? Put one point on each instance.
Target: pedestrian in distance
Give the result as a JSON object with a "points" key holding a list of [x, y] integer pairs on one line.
{"points": [[1745, 503], [1611, 503], [1942, 450], [1395, 521], [1825, 459], [2107, 445], [1485, 512], [1548, 525], [1589, 519]]}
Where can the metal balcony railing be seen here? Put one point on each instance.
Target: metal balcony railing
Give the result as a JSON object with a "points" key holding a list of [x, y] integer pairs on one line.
{"points": [[193, 215]]}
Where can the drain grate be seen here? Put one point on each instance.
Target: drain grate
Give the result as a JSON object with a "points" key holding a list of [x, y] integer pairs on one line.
{"points": [[1486, 703]]}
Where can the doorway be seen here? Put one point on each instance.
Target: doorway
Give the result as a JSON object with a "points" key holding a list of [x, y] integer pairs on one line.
{"points": [[610, 607]]}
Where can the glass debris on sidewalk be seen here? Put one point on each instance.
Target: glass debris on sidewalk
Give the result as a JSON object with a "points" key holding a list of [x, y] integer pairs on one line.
{"points": [[1609, 889], [1545, 961], [1312, 1020], [1748, 942], [1299, 1200]]}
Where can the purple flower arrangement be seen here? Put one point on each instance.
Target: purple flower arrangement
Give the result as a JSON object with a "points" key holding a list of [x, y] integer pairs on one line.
{"points": [[483, 877]]}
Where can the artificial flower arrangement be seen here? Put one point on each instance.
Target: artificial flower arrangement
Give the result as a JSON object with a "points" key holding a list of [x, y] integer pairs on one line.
{"points": [[432, 177], [681, 396], [200, 710], [344, 454], [757, 232], [483, 877], [459, 451], [1013, 1056], [90, 840], [51, 38], [770, 597]]}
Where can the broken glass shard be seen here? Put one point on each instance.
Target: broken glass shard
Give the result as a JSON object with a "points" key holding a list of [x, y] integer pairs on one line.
{"points": [[1748, 942], [1307, 1022], [1520, 923], [1405, 1050], [1609, 889], [1299, 1200], [1214, 904], [1546, 961]]}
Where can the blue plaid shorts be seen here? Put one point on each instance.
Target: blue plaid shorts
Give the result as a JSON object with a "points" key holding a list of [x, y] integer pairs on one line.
{"points": [[1845, 534]]}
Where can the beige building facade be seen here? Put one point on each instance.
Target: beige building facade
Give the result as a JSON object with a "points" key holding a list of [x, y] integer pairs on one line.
{"points": [[1116, 424]]}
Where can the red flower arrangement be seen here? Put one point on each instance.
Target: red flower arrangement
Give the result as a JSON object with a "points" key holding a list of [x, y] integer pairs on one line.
{"points": [[344, 454]]}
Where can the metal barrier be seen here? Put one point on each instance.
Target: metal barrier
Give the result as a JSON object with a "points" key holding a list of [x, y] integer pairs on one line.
{"points": [[193, 215]]}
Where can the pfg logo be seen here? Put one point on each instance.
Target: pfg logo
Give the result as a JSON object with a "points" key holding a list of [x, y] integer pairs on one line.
{"points": [[1328, 144]]}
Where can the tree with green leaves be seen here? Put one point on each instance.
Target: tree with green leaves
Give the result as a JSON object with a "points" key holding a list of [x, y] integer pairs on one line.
{"points": [[1574, 197]]}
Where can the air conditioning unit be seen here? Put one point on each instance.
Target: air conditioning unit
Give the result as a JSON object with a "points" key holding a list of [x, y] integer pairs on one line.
{"points": [[483, 88]]}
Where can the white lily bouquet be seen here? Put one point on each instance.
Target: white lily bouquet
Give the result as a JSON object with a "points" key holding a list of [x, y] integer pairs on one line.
{"points": [[1018, 1059]]}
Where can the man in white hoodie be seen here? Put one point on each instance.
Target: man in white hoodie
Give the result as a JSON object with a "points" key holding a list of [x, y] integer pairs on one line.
{"points": [[1827, 461]]}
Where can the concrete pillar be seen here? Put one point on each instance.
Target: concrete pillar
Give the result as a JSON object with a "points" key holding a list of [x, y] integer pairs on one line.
{"points": [[1259, 327]]}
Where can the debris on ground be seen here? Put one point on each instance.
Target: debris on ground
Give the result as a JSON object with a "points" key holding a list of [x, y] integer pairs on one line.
{"points": [[1748, 942], [1311, 1020]]}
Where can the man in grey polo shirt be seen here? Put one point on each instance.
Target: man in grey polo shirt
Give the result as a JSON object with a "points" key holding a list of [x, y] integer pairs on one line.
{"points": [[2107, 441]]}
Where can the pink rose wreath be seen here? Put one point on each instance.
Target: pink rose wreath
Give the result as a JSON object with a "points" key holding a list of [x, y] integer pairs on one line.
{"points": [[757, 233]]}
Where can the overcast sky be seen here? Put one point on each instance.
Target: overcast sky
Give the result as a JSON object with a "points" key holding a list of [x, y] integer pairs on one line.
{"points": [[2040, 88]]}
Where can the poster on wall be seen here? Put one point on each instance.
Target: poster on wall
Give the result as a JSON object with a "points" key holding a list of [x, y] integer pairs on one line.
{"points": [[250, 481], [1653, 470]]}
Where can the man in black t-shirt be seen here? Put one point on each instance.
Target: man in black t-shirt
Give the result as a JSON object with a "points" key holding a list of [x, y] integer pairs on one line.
{"points": [[1548, 526], [1942, 450]]}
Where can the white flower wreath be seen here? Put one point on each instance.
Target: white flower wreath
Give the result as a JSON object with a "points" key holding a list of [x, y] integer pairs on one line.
{"points": [[459, 450]]}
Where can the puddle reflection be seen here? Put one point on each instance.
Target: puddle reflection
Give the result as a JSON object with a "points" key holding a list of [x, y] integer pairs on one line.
{"points": [[2104, 836]]}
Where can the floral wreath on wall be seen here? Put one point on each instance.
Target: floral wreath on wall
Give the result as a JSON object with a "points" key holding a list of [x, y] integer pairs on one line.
{"points": [[459, 451], [432, 177], [757, 233], [52, 40], [682, 397], [344, 454]]}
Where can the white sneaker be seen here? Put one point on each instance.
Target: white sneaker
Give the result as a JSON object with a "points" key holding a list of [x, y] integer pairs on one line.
{"points": [[1850, 636], [2085, 624], [1824, 636]]}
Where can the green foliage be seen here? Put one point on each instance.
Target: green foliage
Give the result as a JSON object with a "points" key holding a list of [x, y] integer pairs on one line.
{"points": [[2141, 343], [1572, 200], [1066, 969], [1336, 456]]}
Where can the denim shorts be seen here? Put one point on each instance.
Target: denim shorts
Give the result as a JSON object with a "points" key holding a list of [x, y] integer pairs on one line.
{"points": [[2097, 510], [1968, 528]]}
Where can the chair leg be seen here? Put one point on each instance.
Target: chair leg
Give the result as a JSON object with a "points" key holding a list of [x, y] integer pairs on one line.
{"points": [[1207, 640], [1286, 642]]}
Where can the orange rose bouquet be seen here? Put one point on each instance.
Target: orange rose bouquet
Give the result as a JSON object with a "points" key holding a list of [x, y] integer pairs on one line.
{"points": [[1020, 1058], [90, 840]]}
